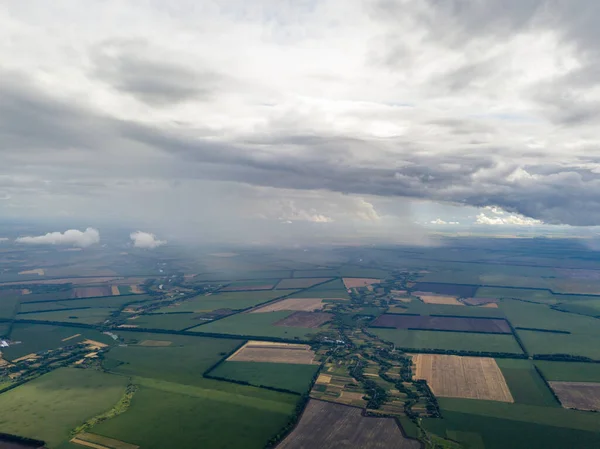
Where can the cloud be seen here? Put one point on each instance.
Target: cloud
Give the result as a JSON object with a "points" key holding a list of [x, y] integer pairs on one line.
{"points": [[134, 68], [439, 221], [499, 217], [3, 239], [482, 103], [72, 237], [146, 240]]}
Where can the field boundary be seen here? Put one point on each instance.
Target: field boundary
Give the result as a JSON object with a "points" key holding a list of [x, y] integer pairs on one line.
{"points": [[82, 299], [535, 329], [57, 310]]}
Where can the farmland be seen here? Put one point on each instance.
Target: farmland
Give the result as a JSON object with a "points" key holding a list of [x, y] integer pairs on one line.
{"points": [[300, 304], [288, 376], [449, 341], [525, 383], [256, 351], [186, 419], [234, 301], [578, 395], [296, 283], [183, 361], [257, 324], [462, 377], [308, 320], [483, 325], [464, 291], [49, 407], [323, 425], [417, 345]]}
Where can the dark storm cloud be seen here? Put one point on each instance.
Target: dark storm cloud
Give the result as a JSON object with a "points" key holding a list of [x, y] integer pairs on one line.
{"points": [[554, 193], [129, 67]]}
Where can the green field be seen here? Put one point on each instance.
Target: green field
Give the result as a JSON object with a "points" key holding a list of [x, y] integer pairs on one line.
{"points": [[225, 300], [573, 344], [8, 306], [182, 363], [287, 376], [582, 340], [83, 316], [569, 371], [41, 337], [331, 289], [257, 325], [548, 416], [525, 384], [49, 407], [457, 341], [183, 420], [589, 307], [483, 432], [168, 321]]}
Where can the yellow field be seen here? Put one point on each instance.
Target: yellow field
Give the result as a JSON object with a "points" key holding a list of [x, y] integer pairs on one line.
{"points": [[100, 442], [462, 377], [324, 379], [302, 304], [92, 344], [31, 356], [156, 343], [438, 299], [115, 290], [136, 289], [490, 305], [271, 352], [71, 337]]}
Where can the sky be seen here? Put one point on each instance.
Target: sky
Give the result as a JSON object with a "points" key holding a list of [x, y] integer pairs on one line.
{"points": [[291, 119]]}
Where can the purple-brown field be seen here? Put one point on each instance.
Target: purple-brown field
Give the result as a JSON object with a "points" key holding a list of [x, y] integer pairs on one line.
{"points": [[305, 319], [326, 425], [492, 326]]}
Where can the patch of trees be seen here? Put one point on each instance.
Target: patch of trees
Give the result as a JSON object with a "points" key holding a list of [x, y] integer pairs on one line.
{"points": [[8, 438], [534, 329], [499, 355], [564, 358]]}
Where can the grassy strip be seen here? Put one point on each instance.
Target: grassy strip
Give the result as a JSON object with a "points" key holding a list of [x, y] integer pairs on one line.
{"points": [[120, 407]]}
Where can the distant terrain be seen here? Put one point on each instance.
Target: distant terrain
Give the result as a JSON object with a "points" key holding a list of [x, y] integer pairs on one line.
{"points": [[479, 343]]}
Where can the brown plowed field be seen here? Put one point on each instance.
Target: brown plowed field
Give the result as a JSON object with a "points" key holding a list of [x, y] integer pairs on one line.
{"points": [[446, 323], [455, 376], [325, 425], [305, 319], [300, 283], [91, 292], [578, 395], [429, 298], [480, 301], [301, 304], [258, 351], [359, 282]]}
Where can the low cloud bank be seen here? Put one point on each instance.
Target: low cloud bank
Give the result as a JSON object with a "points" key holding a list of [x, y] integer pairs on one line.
{"points": [[71, 237], [146, 240]]}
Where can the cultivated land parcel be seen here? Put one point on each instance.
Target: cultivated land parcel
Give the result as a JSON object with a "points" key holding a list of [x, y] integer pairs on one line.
{"points": [[291, 348]]}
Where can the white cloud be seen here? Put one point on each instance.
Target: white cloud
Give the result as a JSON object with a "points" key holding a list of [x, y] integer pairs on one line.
{"points": [[72, 237], [514, 220], [146, 240], [439, 221], [3, 239]]}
